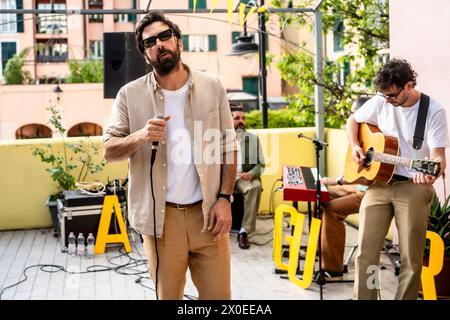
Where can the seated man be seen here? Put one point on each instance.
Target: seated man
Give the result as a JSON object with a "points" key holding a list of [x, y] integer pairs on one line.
{"points": [[249, 170], [345, 200]]}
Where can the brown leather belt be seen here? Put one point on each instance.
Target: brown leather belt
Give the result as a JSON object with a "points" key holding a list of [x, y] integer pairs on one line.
{"points": [[183, 206]]}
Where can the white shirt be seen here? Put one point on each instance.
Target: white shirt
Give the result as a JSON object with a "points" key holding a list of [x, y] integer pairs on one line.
{"points": [[183, 183], [400, 122]]}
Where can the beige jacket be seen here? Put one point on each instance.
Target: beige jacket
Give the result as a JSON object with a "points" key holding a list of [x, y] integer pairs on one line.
{"points": [[206, 108]]}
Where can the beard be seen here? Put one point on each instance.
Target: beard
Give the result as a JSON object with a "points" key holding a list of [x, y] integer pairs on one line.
{"points": [[166, 64], [401, 102]]}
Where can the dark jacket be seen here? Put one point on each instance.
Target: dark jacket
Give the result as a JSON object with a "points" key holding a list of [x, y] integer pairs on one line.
{"points": [[251, 155]]}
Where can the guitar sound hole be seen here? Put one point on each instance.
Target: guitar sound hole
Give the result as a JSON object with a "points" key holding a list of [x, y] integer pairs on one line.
{"points": [[369, 157]]}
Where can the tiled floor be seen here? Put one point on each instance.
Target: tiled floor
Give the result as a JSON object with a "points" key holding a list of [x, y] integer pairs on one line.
{"points": [[252, 271]]}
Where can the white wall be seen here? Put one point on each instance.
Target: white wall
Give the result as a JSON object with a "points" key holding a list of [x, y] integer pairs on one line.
{"points": [[419, 32]]}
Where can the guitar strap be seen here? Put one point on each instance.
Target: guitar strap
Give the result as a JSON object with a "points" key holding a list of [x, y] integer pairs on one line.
{"points": [[421, 120]]}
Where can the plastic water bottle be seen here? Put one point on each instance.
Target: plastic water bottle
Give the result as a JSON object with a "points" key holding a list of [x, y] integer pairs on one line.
{"points": [[72, 246], [80, 245], [90, 246]]}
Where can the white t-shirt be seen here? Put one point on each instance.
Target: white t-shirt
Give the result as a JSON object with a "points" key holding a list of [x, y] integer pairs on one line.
{"points": [[400, 122], [183, 183]]}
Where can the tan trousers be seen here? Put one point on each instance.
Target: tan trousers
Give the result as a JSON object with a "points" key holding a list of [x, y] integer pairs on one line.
{"points": [[333, 228], [251, 190], [409, 204], [183, 246]]}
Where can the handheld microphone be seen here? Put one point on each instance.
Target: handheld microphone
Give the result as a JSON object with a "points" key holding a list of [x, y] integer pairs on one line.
{"points": [[155, 143]]}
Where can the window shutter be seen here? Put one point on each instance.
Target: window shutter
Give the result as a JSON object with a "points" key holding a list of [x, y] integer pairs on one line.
{"points": [[19, 17], [201, 4], [132, 17], [185, 39], [234, 35], [212, 42]]}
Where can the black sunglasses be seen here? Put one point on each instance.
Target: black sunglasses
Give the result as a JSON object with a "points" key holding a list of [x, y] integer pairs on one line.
{"points": [[392, 95], [151, 41]]}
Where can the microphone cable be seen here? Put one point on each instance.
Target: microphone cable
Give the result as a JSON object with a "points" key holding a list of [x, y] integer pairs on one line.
{"points": [[152, 162], [154, 223]]}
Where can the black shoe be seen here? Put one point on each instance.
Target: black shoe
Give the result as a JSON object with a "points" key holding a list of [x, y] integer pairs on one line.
{"points": [[242, 239], [330, 275]]}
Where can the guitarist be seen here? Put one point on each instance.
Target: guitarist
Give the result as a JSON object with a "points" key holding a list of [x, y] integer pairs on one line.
{"points": [[407, 197]]}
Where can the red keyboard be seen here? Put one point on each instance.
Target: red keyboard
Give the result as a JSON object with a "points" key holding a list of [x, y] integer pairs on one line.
{"points": [[299, 184]]}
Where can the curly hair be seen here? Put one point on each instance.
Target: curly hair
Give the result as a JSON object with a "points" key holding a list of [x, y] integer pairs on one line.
{"points": [[147, 20], [395, 72]]}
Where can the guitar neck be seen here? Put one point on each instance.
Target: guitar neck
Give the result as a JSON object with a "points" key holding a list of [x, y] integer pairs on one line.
{"points": [[390, 159]]}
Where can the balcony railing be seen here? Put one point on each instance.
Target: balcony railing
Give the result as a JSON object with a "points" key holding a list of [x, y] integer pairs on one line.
{"points": [[61, 58]]}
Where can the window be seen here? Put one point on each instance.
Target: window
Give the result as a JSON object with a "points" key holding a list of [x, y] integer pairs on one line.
{"points": [[94, 18], [85, 129], [95, 4], [98, 4], [8, 21], [96, 49], [338, 32], [33, 131], [121, 18], [201, 4], [51, 23], [199, 43], [54, 50]]}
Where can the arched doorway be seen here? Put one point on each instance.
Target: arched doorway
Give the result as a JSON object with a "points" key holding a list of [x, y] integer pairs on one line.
{"points": [[33, 131], [85, 129]]}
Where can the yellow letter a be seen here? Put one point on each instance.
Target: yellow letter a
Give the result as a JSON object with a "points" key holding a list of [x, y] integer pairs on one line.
{"points": [[103, 237]]}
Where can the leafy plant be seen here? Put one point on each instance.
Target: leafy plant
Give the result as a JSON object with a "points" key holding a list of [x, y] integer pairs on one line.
{"points": [[361, 28], [62, 169], [14, 73], [439, 222], [281, 118], [88, 71]]}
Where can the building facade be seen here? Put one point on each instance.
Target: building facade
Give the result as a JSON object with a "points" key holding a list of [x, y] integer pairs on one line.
{"points": [[53, 40]]}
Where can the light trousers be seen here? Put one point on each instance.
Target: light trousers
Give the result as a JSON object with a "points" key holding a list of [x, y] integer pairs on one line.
{"points": [[251, 190], [409, 204], [184, 246]]}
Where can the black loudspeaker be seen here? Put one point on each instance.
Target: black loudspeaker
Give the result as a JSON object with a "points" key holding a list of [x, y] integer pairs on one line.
{"points": [[122, 62]]}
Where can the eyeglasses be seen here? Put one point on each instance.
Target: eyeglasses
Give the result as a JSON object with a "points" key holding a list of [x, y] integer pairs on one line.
{"points": [[391, 95], [151, 41]]}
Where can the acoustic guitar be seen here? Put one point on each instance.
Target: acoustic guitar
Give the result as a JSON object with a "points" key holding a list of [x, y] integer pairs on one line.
{"points": [[381, 158]]}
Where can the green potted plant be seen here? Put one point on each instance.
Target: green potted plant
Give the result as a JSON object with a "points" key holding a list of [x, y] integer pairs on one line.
{"points": [[65, 170], [439, 222]]}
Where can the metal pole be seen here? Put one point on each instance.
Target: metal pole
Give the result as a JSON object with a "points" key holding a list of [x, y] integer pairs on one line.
{"points": [[318, 90], [262, 67]]}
